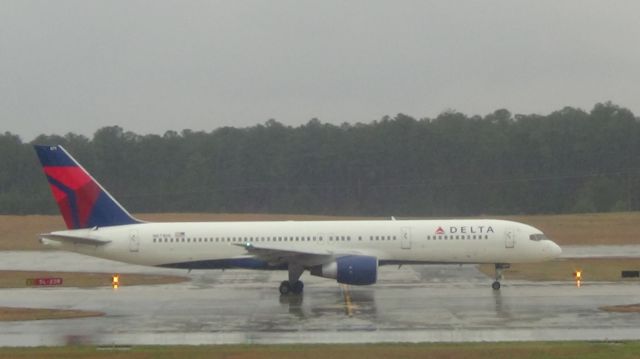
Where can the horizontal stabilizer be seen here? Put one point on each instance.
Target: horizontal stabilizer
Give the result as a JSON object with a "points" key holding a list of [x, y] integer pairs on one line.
{"points": [[73, 239]]}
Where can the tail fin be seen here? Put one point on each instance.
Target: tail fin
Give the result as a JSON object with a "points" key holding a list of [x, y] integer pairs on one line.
{"points": [[81, 199]]}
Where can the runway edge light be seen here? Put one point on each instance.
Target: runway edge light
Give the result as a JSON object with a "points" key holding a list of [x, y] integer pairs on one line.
{"points": [[578, 277], [115, 281]]}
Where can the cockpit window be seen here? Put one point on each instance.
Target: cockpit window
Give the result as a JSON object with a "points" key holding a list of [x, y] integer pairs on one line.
{"points": [[538, 237]]}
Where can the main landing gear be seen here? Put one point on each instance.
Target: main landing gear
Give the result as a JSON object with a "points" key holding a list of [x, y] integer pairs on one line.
{"points": [[286, 287], [294, 285], [499, 268]]}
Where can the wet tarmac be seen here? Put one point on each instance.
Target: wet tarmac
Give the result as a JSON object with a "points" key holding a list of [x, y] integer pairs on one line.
{"points": [[408, 304]]}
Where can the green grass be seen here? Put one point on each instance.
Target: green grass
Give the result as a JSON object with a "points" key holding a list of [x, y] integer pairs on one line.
{"points": [[528, 350]]}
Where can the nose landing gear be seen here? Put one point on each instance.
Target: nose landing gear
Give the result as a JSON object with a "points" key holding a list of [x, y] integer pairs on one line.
{"points": [[500, 267]]}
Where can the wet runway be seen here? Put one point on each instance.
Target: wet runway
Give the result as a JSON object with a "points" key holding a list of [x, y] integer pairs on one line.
{"points": [[409, 304]]}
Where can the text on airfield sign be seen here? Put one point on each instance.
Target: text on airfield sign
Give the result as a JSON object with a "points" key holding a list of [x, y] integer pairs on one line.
{"points": [[43, 282]]}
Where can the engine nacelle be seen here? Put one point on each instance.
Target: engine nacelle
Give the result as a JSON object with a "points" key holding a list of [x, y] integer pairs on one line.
{"points": [[357, 270]]}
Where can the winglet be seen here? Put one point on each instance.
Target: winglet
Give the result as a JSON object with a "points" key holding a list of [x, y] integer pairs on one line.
{"points": [[82, 201]]}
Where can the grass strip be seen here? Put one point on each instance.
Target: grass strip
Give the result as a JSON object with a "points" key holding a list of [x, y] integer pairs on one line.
{"points": [[529, 350], [630, 308], [20, 314], [18, 279], [21, 232], [593, 269]]}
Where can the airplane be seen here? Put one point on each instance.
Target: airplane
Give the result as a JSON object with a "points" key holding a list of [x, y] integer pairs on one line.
{"points": [[349, 251]]}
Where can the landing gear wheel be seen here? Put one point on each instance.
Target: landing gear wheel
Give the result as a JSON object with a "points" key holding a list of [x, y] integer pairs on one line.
{"points": [[285, 288], [293, 285], [297, 287], [500, 267]]}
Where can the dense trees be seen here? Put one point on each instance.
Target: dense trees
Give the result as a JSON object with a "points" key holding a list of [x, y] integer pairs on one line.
{"points": [[567, 161]]}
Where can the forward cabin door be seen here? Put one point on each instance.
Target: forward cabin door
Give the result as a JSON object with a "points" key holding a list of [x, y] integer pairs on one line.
{"points": [[509, 238], [134, 241], [405, 237]]}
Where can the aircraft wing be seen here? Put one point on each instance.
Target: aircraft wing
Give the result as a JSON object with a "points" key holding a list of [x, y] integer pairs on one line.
{"points": [[73, 239], [280, 255]]}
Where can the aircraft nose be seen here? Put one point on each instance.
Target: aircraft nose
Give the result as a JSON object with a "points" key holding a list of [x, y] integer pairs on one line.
{"points": [[555, 249]]}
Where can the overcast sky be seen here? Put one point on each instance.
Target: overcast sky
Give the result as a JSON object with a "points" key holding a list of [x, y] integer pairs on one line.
{"points": [[152, 66]]}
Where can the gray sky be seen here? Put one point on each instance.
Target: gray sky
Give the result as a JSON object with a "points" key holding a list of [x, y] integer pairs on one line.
{"points": [[152, 66]]}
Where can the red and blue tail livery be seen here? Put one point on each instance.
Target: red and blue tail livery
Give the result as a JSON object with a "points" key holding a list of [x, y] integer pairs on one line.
{"points": [[83, 202]]}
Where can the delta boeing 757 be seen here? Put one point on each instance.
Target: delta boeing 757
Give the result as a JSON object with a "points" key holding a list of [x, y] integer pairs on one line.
{"points": [[347, 251]]}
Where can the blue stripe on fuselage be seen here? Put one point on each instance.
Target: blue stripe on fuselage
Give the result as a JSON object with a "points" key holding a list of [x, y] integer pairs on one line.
{"points": [[245, 263]]}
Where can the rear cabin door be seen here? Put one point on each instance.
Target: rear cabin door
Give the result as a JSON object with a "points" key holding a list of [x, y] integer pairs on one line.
{"points": [[134, 241], [405, 237]]}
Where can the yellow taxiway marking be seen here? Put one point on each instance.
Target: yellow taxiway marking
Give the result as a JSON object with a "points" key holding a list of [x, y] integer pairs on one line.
{"points": [[348, 306]]}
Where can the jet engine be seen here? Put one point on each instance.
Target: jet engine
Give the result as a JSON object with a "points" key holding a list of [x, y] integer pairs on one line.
{"points": [[352, 269]]}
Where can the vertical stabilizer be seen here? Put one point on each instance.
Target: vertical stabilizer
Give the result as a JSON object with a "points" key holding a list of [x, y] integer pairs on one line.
{"points": [[83, 202]]}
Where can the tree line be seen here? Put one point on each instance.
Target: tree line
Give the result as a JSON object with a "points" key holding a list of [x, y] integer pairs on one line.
{"points": [[451, 165]]}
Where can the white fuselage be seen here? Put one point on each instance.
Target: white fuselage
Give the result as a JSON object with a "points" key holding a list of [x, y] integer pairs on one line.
{"points": [[220, 244]]}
